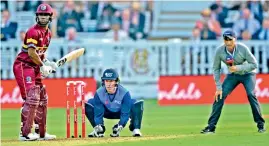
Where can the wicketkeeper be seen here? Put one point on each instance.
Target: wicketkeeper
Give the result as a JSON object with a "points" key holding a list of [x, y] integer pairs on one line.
{"points": [[113, 101]]}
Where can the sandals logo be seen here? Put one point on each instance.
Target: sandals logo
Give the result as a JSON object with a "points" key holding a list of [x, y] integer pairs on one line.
{"points": [[139, 61]]}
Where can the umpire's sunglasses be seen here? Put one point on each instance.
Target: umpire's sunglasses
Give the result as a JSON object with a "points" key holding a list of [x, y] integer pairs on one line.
{"points": [[226, 38]]}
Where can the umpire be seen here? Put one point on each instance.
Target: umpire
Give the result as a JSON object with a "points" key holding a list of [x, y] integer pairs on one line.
{"points": [[242, 69]]}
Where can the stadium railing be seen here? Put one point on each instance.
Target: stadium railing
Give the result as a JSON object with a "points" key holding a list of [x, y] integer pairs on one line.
{"points": [[145, 60]]}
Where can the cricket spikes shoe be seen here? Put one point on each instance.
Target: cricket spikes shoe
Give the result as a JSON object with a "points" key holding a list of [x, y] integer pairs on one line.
{"points": [[29, 137], [208, 130], [47, 136], [261, 128], [136, 133]]}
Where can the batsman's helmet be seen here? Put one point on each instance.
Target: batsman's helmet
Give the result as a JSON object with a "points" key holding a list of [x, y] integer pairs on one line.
{"points": [[44, 9], [110, 74]]}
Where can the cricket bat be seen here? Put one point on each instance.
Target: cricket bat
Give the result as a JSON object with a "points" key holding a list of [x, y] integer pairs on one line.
{"points": [[70, 56]]}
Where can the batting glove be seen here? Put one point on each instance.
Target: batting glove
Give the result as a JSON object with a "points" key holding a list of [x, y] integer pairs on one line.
{"points": [[116, 130], [53, 65], [45, 70]]}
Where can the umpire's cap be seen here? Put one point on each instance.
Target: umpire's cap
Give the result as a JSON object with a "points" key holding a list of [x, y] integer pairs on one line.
{"points": [[229, 34], [110, 74]]}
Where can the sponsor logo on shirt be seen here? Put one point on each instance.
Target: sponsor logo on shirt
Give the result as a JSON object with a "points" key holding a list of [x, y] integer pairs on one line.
{"points": [[106, 102], [118, 102], [28, 80]]}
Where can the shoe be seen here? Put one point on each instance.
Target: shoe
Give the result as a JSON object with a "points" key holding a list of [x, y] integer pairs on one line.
{"points": [[136, 133], [261, 128], [114, 135], [92, 134], [29, 137], [208, 130], [47, 136]]}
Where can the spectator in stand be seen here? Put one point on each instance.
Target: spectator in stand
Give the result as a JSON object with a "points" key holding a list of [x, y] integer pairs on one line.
{"points": [[31, 5], [104, 22], [196, 36], [206, 33], [97, 9], [8, 28], [22, 35], [212, 23], [53, 24], [27, 5], [256, 9], [235, 5], [4, 5], [137, 22], [79, 8], [195, 46], [121, 5], [220, 13], [265, 5], [71, 35], [149, 9], [246, 22], [68, 18], [116, 33], [125, 20], [246, 35], [264, 33]]}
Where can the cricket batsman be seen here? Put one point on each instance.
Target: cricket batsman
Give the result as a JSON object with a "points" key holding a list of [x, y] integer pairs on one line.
{"points": [[29, 68], [113, 101], [242, 67]]}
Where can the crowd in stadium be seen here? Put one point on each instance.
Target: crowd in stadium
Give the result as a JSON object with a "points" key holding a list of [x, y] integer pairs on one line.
{"points": [[126, 18], [250, 20], [133, 20]]}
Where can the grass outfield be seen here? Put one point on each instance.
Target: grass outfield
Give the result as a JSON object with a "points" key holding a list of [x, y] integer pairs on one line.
{"points": [[174, 125]]}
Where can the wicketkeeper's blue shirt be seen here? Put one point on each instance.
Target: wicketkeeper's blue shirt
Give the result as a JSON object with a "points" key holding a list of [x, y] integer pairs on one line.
{"points": [[120, 101]]}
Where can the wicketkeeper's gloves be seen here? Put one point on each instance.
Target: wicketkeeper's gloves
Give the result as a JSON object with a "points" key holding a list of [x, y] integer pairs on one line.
{"points": [[99, 130], [116, 130]]}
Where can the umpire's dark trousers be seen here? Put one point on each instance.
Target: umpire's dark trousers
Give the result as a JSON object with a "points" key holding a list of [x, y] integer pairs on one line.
{"points": [[229, 84]]}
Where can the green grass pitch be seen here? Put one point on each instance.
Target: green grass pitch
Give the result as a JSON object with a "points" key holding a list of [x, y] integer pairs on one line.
{"points": [[170, 125]]}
